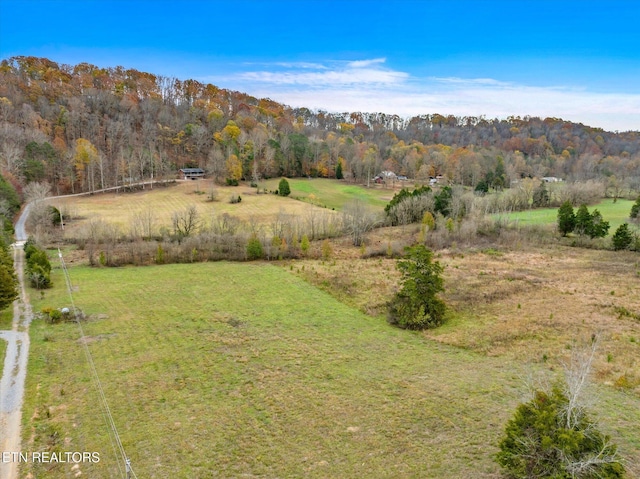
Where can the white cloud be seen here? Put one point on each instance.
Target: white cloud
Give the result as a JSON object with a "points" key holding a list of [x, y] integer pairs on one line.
{"points": [[467, 81], [366, 63], [364, 72], [367, 86], [323, 79], [309, 65]]}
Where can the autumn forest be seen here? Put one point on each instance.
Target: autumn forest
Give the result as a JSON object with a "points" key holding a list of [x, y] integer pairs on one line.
{"points": [[82, 128]]}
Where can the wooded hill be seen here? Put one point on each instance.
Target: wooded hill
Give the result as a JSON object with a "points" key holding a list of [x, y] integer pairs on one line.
{"points": [[82, 127]]}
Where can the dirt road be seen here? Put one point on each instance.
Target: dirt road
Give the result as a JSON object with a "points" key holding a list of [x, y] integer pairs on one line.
{"points": [[15, 363]]}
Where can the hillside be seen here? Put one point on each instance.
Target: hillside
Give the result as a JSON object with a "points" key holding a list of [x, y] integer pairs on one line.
{"points": [[83, 127]]}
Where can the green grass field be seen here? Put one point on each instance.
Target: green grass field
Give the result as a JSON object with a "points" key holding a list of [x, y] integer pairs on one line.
{"points": [[244, 370], [334, 194], [615, 213], [3, 351], [6, 318]]}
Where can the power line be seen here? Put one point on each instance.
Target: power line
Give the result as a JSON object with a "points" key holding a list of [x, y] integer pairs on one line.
{"points": [[129, 473]]}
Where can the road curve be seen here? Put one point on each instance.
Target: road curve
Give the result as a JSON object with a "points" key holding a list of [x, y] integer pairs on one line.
{"points": [[15, 363]]}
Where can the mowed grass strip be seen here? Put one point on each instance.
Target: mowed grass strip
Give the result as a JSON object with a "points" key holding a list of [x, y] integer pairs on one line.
{"points": [[6, 318], [233, 370], [3, 352]]}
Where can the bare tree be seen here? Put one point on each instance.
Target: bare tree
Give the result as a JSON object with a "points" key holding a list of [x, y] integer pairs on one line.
{"points": [[143, 224], [576, 375], [41, 216], [185, 222], [358, 219], [37, 191]]}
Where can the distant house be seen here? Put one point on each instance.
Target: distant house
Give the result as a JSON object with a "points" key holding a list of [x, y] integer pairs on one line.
{"points": [[551, 179], [191, 173]]}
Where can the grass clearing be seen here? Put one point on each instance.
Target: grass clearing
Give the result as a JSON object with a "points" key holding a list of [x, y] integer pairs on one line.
{"points": [[120, 209], [230, 370], [615, 212], [522, 305], [334, 194]]}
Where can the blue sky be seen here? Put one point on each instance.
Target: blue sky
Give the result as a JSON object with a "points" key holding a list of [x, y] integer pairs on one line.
{"points": [[579, 60]]}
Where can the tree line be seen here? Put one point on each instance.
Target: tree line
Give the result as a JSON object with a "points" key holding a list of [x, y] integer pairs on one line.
{"points": [[83, 127]]}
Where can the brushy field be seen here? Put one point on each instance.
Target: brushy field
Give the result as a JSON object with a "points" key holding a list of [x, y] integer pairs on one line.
{"points": [[528, 304], [160, 203], [615, 213], [241, 370]]}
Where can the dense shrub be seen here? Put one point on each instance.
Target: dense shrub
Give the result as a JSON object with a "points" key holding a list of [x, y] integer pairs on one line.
{"points": [[541, 197], [566, 218], [284, 188], [622, 238], [540, 442], [8, 280], [254, 248], [635, 210], [416, 305], [590, 224], [38, 268], [402, 195]]}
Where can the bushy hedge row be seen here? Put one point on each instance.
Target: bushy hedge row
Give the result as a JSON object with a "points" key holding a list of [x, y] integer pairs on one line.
{"points": [[38, 267]]}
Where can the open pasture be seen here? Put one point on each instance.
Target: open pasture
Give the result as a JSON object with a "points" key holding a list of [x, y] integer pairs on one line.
{"points": [[161, 203], [335, 194], [231, 370], [530, 304], [615, 213]]}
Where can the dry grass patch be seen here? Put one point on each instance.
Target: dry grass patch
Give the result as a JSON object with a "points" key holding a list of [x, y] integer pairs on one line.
{"points": [[520, 305], [121, 208]]}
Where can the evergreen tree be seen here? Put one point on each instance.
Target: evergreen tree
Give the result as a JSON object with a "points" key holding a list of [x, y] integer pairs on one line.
{"points": [[339, 174], [499, 180], [305, 245], [38, 268], [566, 218], [622, 238], [583, 220], [283, 187], [599, 228], [541, 197], [254, 248], [8, 279], [538, 442], [416, 305], [443, 201], [635, 209]]}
